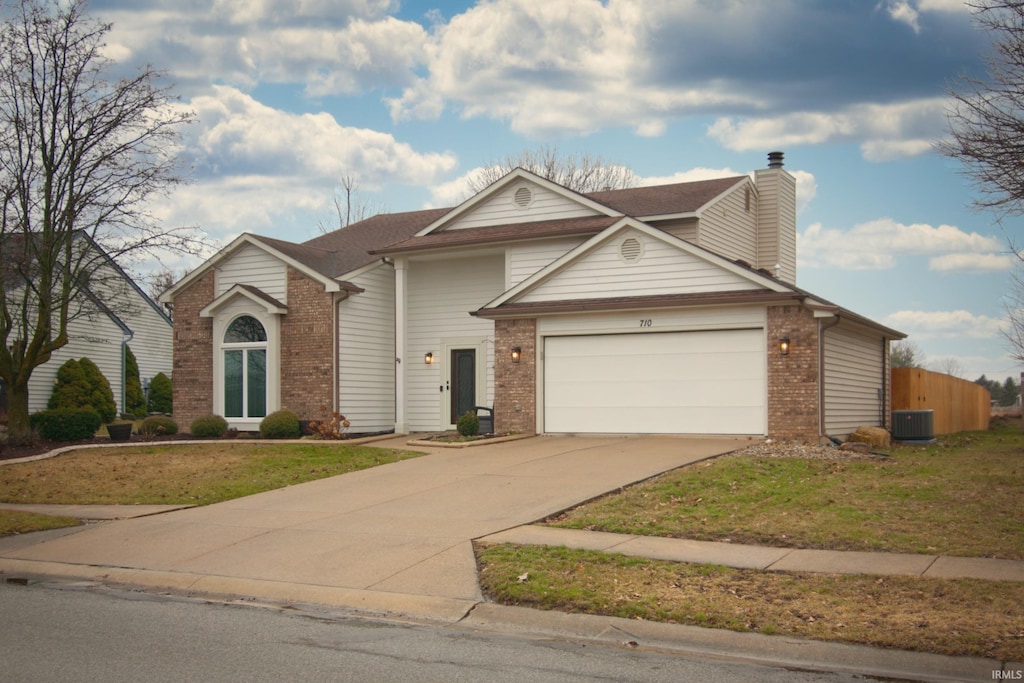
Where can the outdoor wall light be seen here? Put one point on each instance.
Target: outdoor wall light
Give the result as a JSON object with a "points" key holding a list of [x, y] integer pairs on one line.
{"points": [[517, 353], [429, 358], [784, 346]]}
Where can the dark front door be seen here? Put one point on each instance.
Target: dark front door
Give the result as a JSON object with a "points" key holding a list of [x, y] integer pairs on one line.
{"points": [[463, 382]]}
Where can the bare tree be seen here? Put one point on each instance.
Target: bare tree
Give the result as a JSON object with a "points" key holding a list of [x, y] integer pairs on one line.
{"points": [[987, 125], [80, 153], [951, 367], [906, 354], [578, 172], [350, 206]]}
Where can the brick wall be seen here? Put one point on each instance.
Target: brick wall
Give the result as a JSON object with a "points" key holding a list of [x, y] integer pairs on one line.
{"points": [[193, 353], [308, 341], [515, 393], [793, 379]]}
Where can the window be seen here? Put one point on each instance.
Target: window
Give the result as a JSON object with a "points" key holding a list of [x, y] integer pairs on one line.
{"points": [[245, 368]]}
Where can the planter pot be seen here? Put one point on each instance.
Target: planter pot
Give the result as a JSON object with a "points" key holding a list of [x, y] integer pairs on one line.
{"points": [[120, 432]]}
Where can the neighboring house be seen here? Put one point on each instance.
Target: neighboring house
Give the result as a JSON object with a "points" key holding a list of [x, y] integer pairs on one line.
{"points": [[112, 313], [670, 309]]}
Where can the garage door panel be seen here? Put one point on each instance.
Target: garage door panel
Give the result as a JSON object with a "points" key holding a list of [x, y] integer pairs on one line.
{"points": [[693, 382]]}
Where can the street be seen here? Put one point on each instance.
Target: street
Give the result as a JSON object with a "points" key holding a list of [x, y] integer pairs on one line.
{"points": [[86, 633]]}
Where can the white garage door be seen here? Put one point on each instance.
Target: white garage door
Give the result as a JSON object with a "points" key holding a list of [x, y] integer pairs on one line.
{"points": [[656, 383]]}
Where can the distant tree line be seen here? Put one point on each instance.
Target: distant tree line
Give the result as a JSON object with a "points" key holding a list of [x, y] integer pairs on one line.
{"points": [[1004, 394]]}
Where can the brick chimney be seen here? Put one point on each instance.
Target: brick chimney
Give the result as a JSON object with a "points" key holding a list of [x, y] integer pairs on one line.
{"points": [[776, 219]]}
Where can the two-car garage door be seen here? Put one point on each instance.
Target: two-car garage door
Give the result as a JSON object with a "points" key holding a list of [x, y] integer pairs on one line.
{"points": [[710, 382]]}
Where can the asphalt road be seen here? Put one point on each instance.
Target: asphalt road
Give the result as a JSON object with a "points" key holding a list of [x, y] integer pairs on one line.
{"points": [[86, 633]]}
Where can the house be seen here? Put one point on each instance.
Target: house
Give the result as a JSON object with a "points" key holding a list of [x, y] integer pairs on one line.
{"points": [[111, 314], [669, 309]]}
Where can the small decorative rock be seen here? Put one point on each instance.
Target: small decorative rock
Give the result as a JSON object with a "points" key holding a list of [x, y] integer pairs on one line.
{"points": [[855, 446], [875, 437]]}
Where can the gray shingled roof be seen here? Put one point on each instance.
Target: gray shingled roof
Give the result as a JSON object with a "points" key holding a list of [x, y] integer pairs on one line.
{"points": [[659, 200]]}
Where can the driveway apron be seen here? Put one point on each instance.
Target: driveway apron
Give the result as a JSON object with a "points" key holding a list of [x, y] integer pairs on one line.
{"points": [[403, 528]]}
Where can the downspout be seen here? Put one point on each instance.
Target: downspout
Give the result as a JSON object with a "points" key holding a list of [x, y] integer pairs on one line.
{"points": [[822, 328]]}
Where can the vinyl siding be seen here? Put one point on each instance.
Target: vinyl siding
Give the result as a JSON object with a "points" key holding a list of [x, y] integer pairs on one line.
{"points": [[684, 228], [662, 269], [253, 266], [95, 337], [526, 259], [366, 353], [729, 229], [661, 320], [776, 222], [502, 209], [853, 378], [440, 296]]}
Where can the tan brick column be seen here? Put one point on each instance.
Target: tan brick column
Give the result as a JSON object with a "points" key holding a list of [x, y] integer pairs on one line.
{"points": [[515, 390], [794, 378], [193, 353]]}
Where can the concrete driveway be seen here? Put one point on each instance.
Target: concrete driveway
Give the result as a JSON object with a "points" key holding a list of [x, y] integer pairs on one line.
{"points": [[395, 538]]}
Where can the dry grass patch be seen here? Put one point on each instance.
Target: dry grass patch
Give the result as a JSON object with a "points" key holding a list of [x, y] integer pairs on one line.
{"points": [[14, 522], [960, 496], [947, 616], [181, 474]]}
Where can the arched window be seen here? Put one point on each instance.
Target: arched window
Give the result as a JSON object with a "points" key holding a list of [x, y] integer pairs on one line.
{"points": [[245, 368]]}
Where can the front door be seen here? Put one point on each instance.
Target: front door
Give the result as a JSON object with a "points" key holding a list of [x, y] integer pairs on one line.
{"points": [[463, 382]]}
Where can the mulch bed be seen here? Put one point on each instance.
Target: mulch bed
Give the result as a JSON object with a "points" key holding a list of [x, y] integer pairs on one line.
{"points": [[43, 446]]}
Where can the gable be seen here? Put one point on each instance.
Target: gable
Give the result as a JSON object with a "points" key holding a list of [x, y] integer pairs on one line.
{"points": [[251, 265], [522, 201], [631, 262]]}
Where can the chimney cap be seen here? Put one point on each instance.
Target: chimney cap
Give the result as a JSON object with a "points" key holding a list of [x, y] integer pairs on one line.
{"points": [[775, 159]]}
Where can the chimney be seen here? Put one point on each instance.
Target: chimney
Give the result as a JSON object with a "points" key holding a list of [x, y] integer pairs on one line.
{"points": [[776, 219]]}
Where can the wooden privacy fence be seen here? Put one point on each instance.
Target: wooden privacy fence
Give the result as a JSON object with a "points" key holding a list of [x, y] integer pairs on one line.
{"points": [[958, 405]]}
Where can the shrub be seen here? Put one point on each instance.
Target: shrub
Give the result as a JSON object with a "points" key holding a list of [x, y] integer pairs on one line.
{"points": [[281, 424], [158, 425], [334, 426], [161, 394], [80, 384], [134, 397], [208, 425], [66, 424], [468, 424]]}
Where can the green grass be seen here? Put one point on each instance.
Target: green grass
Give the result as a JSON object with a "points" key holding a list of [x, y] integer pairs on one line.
{"points": [[960, 496], [954, 617], [14, 522]]}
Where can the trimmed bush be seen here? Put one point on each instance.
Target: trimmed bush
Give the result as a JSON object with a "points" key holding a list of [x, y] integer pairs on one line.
{"points": [[158, 425], [66, 424], [208, 425], [134, 397], [281, 424], [468, 424], [80, 384], [161, 394]]}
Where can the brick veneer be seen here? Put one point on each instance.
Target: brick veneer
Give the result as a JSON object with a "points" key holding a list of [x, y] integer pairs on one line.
{"points": [[793, 379], [193, 353], [515, 394], [307, 348]]}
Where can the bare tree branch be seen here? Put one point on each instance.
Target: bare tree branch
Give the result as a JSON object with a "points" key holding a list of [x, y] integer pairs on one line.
{"points": [[579, 172]]}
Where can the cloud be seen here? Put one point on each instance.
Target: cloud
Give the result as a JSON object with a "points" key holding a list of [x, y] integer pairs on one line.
{"points": [[945, 324], [876, 244], [257, 167], [330, 46], [885, 132], [972, 263]]}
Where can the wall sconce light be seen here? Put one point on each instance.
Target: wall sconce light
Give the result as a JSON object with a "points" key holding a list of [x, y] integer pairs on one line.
{"points": [[784, 346], [429, 358], [517, 353]]}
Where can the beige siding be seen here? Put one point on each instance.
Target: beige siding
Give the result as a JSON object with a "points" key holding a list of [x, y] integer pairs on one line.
{"points": [[253, 266], [660, 320], [729, 228], [502, 208], [776, 222], [366, 340], [683, 228], [95, 337], [527, 258], [854, 376], [662, 269], [441, 295]]}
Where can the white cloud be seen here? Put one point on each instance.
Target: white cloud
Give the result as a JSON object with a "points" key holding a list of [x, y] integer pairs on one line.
{"points": [[886, 131], [876, 244], [973, 263], [945, 324]]}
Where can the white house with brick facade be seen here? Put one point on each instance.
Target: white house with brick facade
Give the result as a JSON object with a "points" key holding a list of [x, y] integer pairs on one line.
{"points": [[671, 309]]}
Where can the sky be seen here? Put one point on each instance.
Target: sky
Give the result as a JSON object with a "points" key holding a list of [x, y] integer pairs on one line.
{"points": [[410, 99]]}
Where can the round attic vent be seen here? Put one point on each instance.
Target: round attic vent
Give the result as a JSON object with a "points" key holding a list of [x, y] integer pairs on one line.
{"points": [[631, 250], [523, 197]]}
